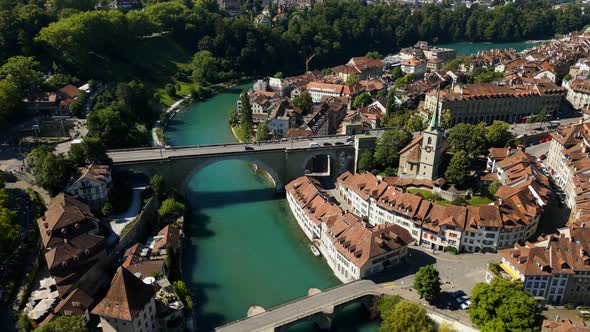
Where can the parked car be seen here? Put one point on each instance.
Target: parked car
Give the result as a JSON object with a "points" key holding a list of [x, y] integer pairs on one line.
{"points": [[339, 143], [314, 145], [543, 157], [327, 144], [466, 305], [248, 148]]}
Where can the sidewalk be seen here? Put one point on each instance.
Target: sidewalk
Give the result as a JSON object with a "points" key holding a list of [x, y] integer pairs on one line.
{"points": [[119, 222]]}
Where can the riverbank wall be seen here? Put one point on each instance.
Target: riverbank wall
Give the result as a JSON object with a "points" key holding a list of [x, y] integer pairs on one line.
{"points": [[141, 225]]}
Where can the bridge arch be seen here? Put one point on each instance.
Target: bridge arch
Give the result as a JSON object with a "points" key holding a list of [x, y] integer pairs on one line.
{"points": [[276, 179], [336, 160]]}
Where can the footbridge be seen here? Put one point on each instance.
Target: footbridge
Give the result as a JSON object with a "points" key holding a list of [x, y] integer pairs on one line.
{"points": [[283, 160], [318, 306]]}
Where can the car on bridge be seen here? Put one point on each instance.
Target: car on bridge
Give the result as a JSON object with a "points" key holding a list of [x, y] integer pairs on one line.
{"points": [[314, 145], [249, 148]]}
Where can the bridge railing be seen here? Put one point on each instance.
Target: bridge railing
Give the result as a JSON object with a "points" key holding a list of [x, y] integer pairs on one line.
{"points": [[367, 291]]}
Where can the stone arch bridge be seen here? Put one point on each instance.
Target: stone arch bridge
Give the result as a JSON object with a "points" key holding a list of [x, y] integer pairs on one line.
{"points": [[283, 161]]}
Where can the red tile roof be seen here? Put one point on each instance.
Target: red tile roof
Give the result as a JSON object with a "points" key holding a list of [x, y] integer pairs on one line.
{"points": [[127, 296]]}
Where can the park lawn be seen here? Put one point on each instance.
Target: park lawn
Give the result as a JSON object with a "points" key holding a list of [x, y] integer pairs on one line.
{"points": [[479, 200], [427, 194]]}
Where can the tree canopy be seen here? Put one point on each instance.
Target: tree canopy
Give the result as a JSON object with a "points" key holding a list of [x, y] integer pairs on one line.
{"points": [[427, 282], [406, 316], [498, 134], [503, 306], [170, 210], [459, 170], [469, 138], [389, 146], [64, 324]]}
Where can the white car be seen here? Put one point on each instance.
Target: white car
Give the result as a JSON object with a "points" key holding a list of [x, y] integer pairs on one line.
{"points": [[314, 145], [466, 305]]}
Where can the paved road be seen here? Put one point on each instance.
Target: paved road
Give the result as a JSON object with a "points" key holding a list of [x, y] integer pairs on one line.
{"points": [[537, 127], [125, 156], [305, 307]]}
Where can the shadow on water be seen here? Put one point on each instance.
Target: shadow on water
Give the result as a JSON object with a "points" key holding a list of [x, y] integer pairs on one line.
{"points": [[198, 228], [215, 199]]}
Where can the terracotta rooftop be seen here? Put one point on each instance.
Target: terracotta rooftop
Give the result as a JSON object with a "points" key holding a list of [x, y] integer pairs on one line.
{"points": [[127, 296], [65, 215], [360, 244], [564, 326]]}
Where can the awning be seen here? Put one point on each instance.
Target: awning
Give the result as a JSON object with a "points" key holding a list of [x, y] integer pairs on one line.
{"points": [[510, 271]]}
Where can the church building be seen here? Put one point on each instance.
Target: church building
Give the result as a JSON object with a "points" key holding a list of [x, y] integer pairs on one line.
{"points": [[421, 158]]}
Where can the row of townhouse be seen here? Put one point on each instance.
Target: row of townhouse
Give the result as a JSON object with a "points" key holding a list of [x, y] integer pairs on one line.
{"points": [[513, 217], [352, 248], [556, 267], [569, 164]]}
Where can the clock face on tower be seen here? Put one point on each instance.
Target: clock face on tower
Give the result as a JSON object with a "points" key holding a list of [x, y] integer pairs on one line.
{"points": [[428, 148]]}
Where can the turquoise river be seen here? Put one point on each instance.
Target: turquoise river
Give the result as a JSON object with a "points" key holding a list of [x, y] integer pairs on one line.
{"points": [[244, 247]]}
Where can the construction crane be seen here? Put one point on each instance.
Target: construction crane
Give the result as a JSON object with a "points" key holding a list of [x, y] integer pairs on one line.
{"points": [[307, 64]]}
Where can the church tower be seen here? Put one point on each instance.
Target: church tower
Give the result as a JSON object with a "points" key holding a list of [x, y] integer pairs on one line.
{"points": [[431, 154]]}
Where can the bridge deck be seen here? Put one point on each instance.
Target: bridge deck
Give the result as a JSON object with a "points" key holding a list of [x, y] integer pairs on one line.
{"points": [[304, 307], [147, 154]]}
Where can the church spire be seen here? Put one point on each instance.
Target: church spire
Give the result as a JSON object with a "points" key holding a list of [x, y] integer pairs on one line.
{"points": [[435, 120]]}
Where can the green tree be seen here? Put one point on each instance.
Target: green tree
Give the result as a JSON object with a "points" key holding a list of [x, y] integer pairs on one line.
{"points": [[64, 324], [262, 132], [427, 282], [374, 55], [503, 306], [447, 327], [77, 154], [24, 324], [246, 115], [414, 123], [459, 171], [304, 102], [388, 147], [445, 119], [542, 116], [10, 102], [170, 90], [366, 161], [390, 105], [170, 210], [386, 304], [106, 209], [22, 72], [468, 137], [94, 149], [158, 185], [184, 294], [493, 188], [406, 317], [205, 67], [9, 231], [279, 74], [402, 82], [498, 134], [362, 99], [51, 171]]}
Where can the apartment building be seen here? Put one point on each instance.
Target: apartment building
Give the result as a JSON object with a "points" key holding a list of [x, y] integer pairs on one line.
{"points": [[129, 305], [569, 164], [578, 92], [92, 185], [352, 248], [513, 217], [486, 102], [557, 267]]}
